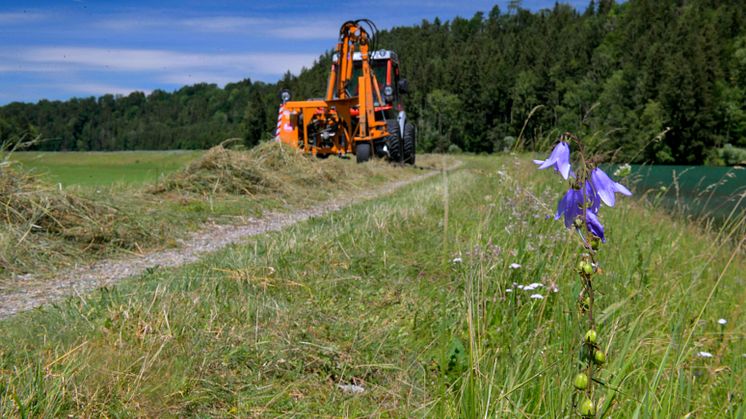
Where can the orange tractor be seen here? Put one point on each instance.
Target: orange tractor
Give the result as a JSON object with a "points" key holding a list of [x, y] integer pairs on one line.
{"points": [[362, 113]]}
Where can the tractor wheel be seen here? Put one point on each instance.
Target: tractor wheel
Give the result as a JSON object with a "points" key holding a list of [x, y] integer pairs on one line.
{"points": [[409, 142], [362, 152], [393, 141]]}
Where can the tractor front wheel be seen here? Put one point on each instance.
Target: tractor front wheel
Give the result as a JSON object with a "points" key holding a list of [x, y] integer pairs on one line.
{"points": [[409, 143], [362, 152], [393, 141]]}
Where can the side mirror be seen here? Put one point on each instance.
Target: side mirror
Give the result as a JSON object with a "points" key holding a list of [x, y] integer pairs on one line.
{"points": [[285, 95], [403, 86]]}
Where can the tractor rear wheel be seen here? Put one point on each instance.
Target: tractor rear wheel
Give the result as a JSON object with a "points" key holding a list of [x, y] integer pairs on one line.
{"points": [[393, 141], [409, 143], [362, 152]]}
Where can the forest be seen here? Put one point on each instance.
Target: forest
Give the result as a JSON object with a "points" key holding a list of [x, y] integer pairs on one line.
{"points": [[660, 81]]}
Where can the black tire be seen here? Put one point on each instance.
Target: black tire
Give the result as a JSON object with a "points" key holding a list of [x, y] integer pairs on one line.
{"points": [[409, 143], [362, 152], [321, 156], [393, 141]]}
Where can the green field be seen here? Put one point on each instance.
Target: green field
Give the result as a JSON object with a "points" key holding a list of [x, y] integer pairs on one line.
{"points": [[371, 296], [104, 168]]}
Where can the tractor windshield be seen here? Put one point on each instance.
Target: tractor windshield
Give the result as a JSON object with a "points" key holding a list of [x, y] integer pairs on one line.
{"points": [[378, 68]]}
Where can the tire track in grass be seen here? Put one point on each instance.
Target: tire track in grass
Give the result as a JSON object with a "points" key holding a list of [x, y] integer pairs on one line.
{"points": [[213, 237]]}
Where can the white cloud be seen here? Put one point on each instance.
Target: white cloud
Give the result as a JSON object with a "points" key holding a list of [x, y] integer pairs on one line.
{"points": [[99, 89], [192, 78], [127, 23], [11, 18], [317, 29], [21, 67], [226, 23], [171, 62], [219, 24], [300, 27]]}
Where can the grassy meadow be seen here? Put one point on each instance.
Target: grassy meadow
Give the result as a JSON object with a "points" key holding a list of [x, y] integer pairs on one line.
{"points": [[405, 297], [93, 169]]}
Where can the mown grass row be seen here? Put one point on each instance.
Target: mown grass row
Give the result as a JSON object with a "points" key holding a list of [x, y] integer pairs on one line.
{"points": [[375, 296], [44, 227]]}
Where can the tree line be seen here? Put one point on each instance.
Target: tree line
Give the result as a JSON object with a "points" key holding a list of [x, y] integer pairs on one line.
{"points": [[651, 80]]}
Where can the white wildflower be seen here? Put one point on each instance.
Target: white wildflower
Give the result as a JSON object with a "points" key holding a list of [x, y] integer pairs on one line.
{"points": [[623, 170], [722, 322], [514, 266], [457, 260], [537, 296], [351, 388], [703, 354], [509, 290]]}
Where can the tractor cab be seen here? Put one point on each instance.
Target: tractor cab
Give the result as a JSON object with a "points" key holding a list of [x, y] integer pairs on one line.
{"points": [[384, 67]]}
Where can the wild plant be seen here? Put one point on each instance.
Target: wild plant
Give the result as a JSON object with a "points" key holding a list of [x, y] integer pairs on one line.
{"points": [[589, 187]]}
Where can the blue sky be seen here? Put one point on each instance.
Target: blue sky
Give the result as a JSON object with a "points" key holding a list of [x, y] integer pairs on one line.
{"points": [[77, 48]]}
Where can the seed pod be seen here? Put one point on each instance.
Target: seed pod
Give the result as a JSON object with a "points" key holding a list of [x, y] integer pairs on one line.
{"points": [[599, 357], [587, 408], [591, 336], [587, 269], [581, 381]]}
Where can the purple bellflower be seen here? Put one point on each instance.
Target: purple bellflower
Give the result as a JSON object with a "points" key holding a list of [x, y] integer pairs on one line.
{"points": [[580, 207], [570, 206], [594, 226], [560, 159], [605, 187], [592, 197]]}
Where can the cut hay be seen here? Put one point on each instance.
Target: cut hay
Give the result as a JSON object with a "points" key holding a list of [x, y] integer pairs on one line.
{"points": [[45, 228], [268, 169], [35, 216]]}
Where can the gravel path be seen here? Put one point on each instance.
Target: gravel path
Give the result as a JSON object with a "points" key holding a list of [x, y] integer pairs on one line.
{"points": [[33, 292]]}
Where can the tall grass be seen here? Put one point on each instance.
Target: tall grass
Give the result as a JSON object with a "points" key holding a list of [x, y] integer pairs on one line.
{"points": [[406, 297]]}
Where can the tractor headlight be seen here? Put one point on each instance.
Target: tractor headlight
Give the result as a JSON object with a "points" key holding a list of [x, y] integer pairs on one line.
{"points": [[285, 95], [388, 91]]}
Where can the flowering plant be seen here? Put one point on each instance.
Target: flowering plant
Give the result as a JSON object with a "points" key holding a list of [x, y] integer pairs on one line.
{"points": [[589, 188]]}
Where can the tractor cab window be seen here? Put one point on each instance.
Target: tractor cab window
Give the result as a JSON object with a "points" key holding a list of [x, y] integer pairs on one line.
{"points": [[378, 68]]}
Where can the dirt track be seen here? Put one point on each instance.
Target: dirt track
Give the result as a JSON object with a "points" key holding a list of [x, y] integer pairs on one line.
{"points": [[32, 293]]}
